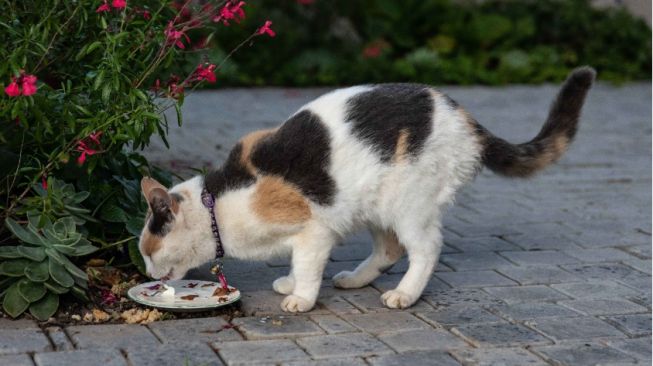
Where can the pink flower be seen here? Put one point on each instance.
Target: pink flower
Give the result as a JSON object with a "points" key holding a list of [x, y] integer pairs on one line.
{"points": [[207, 74], [25, 85], [12, 89], [95, 137], [103, 8], [174, 36], [29, 85], [83, 148], [44, 182], [230, 11], [146, 15], [265, 29], [119, 4]]}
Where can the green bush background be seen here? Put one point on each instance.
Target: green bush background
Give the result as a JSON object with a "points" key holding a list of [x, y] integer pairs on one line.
{"points": [[436, 41]]}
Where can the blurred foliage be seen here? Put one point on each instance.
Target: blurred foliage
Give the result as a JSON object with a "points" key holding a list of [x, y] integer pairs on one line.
{"points": [[330, 42]]}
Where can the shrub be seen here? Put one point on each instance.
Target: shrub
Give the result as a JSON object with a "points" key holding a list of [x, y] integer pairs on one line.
{"points": [[331, 42], [85, 84]]}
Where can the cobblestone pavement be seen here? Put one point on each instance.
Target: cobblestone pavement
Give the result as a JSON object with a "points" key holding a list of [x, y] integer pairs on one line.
{"points": [[554, 270]]}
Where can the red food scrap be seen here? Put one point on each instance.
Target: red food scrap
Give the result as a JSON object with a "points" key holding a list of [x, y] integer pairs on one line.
{"points": [[154, 287], [208, 285], [191, 285], [189, 297]]}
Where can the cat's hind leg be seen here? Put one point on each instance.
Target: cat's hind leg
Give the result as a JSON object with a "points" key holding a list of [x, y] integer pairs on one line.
{"points": [[423, 245], [284, 285], [386, 251]]}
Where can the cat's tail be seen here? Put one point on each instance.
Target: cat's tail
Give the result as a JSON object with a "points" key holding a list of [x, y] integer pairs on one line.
{"points": [[524, 160]]}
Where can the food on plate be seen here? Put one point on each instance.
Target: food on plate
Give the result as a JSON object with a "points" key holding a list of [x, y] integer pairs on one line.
{"points": [[169, 291], [189, 297], [221, 291]]}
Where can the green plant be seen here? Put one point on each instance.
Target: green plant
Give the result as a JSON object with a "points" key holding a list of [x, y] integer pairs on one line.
{"points": [[332, 42], [85, 86]]}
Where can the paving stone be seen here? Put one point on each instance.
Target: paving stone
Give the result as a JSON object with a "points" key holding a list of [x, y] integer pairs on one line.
{"points": [[268, 302], [423, 340], [371, 302], [357, 252], [117, 335], [278, 326], [337, 305], [59, 339], [641, 251], [459, 316], [475, 279], [483, 230], [583, 354], [333, 268], [194, 330], [481, 244], [580, 328], [16, 360], [329, 362], [633, 324], [474, 261], [604, 306], [100, 356], [23, 340], [538, 275], [542, 242], [22, 324], [497, 356], [605, 271], [596, 290], [390, 281], [539, 257], [402, 266], [525, 311], [264, 351], [414, 358], [174, 354], [592, 239], [343, 345], [457, 297], [499, 335], [639, 348], [598, 255], [513, 295], [643, 265], [385, 322], [333, 324]]}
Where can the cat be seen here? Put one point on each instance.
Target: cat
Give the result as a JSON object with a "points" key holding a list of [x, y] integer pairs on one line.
{"points": [[389, 157]]}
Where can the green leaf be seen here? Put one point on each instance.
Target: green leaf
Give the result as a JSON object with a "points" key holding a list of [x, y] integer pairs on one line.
{"points": [[135, 256], [79, 293], [21, 233], [14, 267], [80, 196], [14, 304], [59, 274], [76, 250], [9, 252], [72, 269], [113, 213], [178, 110], [69, 223], [46, 307], [31, 291], [135, 226], [55, 287], [36, 254], [37, 271]]}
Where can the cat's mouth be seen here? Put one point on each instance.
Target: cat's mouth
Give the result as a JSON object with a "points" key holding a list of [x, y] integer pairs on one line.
{"points": [[167, 276]]}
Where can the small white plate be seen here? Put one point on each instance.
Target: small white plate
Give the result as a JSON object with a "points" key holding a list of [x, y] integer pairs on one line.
{"points": [[148, 294]]}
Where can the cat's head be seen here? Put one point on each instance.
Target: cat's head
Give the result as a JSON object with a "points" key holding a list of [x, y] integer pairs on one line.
{"points": [[174, 237]]}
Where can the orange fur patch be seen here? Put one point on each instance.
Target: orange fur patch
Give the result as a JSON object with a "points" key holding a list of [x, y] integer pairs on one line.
{"points": [[277, 201], [248, 142], [151, 243], [402, 146], [393, 250]]}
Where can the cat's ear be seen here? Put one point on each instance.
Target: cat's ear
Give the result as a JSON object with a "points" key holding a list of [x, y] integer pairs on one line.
{"points": [[157, 197]]}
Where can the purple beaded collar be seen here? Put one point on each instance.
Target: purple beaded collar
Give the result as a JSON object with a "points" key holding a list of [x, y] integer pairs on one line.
{"points": [[209, 202]]}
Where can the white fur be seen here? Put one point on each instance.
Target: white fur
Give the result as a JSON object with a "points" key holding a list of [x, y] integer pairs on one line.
{"points": [[406, 198]]}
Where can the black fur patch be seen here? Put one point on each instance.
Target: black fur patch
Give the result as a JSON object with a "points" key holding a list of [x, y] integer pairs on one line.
{"points": [[161, 217], [379, 115], [231, 175], [299, 152]]}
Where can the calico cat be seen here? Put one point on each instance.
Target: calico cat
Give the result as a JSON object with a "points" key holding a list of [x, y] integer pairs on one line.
{"points": [[388, 157]]}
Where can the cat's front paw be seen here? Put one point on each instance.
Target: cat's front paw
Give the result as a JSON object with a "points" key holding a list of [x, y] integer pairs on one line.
{"points": [[396, 299], [284, 285], [346, 279], [296, 304]]}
